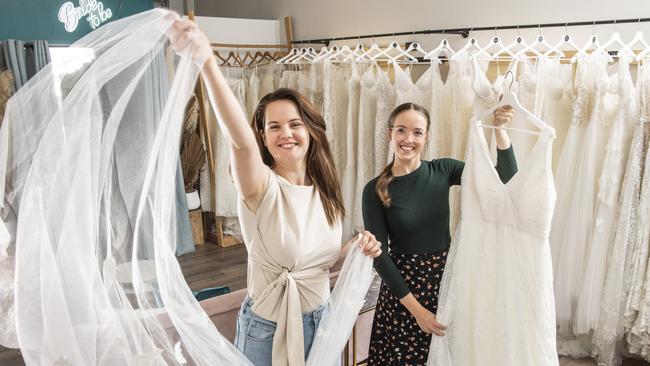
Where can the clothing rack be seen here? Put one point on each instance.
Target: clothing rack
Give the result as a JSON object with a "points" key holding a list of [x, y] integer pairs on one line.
{"points": [[465, 32], [249, 59]]}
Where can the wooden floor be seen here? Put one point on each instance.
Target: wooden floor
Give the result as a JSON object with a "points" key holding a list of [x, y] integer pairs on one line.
{"points": [[213, 266], [565, 361]]}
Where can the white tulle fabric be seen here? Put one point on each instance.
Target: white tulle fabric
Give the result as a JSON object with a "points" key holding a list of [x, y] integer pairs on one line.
{"points": [[97, 281], [345, 303], [496, 295]]}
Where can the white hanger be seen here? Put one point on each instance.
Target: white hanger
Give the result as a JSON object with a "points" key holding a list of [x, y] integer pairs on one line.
{"points": [[443, 47], [300, 52], [340, 56], [413, 47], [519, 41], [540, 40], [367, 56], [465, 52], [324, 52], [638, 38], [528, 48], [357, 52], [323, 55], [292, 53], [566, 40], [509, 98], [616, 39], [393, 46], [496, 42], [306, 55], [592, 42]]}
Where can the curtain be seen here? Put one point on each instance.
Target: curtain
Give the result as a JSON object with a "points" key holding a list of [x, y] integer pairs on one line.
{"points": [[24, 59]]}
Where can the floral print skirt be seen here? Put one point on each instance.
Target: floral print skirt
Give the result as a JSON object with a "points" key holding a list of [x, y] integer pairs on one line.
{"points": [[396, 337]]}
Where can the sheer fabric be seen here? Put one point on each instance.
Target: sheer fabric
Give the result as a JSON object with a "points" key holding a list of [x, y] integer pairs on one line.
{"points": [[90, 170]]}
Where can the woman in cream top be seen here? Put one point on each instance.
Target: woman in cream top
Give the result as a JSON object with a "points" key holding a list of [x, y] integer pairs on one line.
{"points": [[290, 209], [290, 250]]}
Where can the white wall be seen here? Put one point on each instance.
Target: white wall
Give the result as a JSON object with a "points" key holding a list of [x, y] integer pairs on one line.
{"points": [[242, 31], [331, 18]]}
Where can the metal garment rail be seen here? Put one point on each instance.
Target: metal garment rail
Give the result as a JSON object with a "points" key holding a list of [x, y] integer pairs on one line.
{"points": [[464, 32]]}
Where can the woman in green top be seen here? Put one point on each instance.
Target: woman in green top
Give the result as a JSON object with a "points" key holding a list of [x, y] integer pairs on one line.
{"points": [[408, 206]]}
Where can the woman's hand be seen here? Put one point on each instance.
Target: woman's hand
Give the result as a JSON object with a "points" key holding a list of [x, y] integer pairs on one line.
{"points": [[187, 39], [428, 322], [368, 244], [503, 115]]}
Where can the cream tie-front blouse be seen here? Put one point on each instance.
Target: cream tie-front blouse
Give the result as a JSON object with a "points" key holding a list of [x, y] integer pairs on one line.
{"points": [[290, 250]]}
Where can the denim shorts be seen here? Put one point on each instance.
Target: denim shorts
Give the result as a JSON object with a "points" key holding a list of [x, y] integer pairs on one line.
{"points": [[254, 337]]}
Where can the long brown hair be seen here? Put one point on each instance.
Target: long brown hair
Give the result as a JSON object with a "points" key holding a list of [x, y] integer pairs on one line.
{"points": [[386, 176], [320, 164]]}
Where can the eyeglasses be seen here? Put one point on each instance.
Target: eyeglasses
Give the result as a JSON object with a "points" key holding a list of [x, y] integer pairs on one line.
{"points": [[403, 132]]}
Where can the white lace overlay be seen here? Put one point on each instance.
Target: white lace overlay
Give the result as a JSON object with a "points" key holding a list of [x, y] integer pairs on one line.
{"points": [[615, 316]]}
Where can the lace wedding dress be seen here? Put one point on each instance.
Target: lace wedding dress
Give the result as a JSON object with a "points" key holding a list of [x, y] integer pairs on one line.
{"points": [[497, 291]]}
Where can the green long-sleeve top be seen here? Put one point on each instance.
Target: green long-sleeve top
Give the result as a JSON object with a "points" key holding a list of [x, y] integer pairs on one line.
{"points": [[418, 219]]}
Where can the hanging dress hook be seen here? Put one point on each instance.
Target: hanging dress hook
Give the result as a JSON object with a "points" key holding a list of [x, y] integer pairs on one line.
{"points": [[593, 28]]}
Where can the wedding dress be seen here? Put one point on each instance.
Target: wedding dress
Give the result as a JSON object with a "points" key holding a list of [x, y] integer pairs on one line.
{"points": [[606, 206], [335, 109], [385, 105], [497, 290], [348, 183], [577, 182], [365, 141], [610, 330]]}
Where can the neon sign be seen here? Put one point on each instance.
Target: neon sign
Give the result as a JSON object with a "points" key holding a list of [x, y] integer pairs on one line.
{"points": [[92, 10]]}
